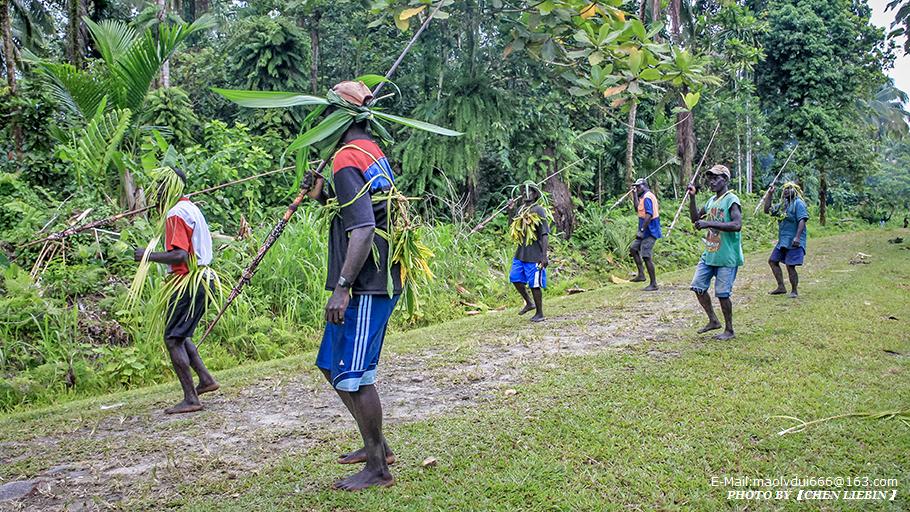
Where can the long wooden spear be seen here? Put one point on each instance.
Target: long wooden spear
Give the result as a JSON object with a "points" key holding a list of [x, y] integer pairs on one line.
{"points": [[692, 181], [621, 199], [250, 270], [765, 196], [114, 218]]}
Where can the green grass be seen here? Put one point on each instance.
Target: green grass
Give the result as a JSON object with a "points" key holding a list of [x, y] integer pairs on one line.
{"points": [[625, 430], [641, 427]]}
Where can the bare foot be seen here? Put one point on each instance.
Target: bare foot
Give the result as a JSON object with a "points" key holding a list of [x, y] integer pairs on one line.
{"points": [[537, 318], [778, 291], [650, 288], [365, 479], [638, 279], [360, 456], [711, 326], [793, 295], [726, 335], [183, 407], [528, 307], [207, 388]]}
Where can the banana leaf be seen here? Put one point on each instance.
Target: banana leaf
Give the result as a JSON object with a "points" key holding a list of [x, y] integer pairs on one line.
{"points": [[269, 99]]}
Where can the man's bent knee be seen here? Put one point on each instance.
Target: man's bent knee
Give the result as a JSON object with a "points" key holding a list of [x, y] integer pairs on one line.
{"points": [[173, 342]]}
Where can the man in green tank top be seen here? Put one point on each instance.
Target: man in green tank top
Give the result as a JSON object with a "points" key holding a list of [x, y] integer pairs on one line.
{"points": [[722, 218]]}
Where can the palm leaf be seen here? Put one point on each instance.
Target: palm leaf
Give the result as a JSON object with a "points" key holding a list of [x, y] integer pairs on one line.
{"points": [[77, 90], [93, 148], [334, 124], [269, 99], [420, 125], [113, 38]]}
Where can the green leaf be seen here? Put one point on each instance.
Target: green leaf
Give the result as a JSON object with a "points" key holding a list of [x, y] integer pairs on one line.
{"points": [[595, 58], [691, 99], [371, 80], [639, 30], [419, 125], [269, 99], [333, 124], [650, 74], [635, 59]]}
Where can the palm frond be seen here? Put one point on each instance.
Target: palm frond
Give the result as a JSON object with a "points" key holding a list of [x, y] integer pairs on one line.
{"points": [[113, 38], [77, 90], [93, 148]]}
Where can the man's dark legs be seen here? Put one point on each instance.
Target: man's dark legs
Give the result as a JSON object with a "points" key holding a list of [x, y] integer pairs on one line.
{"points": [[713, 323], [367, 410], [523, 291], [649, 264], [207, 383], [794, 281], [538, 304], [357, 456], [726, 306], [181, 361], [778, 276], [640, 278]]}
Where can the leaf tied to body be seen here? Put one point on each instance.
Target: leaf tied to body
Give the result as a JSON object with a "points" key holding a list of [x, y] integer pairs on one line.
{"points": [[523, 229]]}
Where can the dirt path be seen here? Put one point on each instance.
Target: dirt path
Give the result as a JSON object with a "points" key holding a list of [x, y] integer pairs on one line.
{"points": [[129, 453]]}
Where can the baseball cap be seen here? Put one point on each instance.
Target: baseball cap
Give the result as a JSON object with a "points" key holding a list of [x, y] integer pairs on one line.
{"points": [[719, 170], [355, 92], [640, 181]]}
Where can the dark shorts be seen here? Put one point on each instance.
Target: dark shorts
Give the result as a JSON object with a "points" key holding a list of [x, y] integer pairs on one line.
{"points": [[184, 313], [789, 256], [350, 351], [644, 246]]}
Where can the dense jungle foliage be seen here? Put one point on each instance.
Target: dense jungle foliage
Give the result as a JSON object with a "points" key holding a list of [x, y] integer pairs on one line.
{"points": [[581, 97]]}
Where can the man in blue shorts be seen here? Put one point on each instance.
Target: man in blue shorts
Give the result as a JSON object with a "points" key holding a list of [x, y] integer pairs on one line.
{"points": [[792, 215], [529, 266], [359, 309], [721, 217], [642, 248]]}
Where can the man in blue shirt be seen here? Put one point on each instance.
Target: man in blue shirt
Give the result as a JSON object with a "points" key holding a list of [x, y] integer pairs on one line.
{"points": [[642, 249], [792, 215]]}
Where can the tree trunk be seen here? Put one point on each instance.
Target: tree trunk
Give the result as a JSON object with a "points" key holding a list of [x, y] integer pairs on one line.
{"points": [[166, 66], [685, 144], [314, 51], [630, 143], [9, 57], [748, 150], [641, 10], [9, 52], [739, 160], [202, 7], [470, 185], [822, 198], [561, 196], [74, 41]]}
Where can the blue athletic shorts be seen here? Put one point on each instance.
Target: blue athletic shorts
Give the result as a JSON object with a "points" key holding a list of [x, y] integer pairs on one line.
{"points": [[528, 273], [350, 351], [792, 257], [723, 279]]}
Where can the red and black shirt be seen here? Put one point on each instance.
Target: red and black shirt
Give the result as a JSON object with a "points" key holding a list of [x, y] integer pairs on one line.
{"points": [[353, 168]]}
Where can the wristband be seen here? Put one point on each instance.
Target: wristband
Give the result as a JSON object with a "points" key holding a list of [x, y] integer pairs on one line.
{"points": [[344, 283]]}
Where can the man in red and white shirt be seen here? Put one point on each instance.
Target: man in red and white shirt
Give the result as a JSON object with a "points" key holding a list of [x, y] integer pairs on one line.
{"points": [[186, 238]]}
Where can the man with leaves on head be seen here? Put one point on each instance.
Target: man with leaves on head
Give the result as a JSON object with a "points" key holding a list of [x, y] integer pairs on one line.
{"points": [[188, 245], [358, 311], [531, 231]]}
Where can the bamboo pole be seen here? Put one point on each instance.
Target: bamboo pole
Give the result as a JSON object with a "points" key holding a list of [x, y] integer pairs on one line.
{"points": [[692, 181], [765, 196], [276, 232]]}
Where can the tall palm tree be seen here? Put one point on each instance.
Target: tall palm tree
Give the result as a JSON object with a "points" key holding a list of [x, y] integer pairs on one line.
{"points": [[886, 112]]}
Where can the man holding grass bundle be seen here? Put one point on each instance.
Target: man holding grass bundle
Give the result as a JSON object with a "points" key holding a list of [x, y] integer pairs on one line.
{"points": [[358, 311], [722, 218], [186, 239], [792, 215], [529, 266]]}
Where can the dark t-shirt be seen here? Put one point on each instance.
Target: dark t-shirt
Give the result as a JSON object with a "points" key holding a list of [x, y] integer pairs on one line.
{"points": [[352, 169], [533, 253]]}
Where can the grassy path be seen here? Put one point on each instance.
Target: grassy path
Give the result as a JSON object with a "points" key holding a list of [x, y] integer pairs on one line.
{"points": [[613, 403]]}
